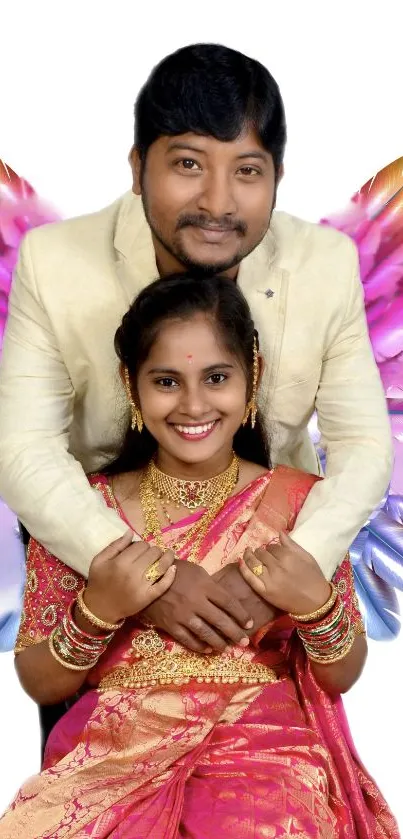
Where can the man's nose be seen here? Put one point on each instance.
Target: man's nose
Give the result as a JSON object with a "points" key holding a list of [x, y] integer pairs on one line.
{"points": [[217, 198]]}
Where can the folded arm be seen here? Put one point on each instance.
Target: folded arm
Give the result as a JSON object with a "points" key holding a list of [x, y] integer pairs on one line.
{"points": [[39, 479], [355, 432]]}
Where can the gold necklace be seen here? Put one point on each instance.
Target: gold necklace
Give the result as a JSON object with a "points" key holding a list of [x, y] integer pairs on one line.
{"points": [[196, 533], [190, 494]]}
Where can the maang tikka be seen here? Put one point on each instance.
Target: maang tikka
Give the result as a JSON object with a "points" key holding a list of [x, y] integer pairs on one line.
{"points": [[251, 408], [137, 419]]}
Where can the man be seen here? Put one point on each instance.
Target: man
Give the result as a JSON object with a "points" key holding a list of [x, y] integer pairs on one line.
{"points": [[207, 160]]}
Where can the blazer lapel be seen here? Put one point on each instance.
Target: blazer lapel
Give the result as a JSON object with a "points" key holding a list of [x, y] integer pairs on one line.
{"points": [[134, 250], [265, 286]]}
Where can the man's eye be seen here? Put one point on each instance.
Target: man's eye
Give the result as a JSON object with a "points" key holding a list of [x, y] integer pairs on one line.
{"points": [[249, 171], [189, 164]]}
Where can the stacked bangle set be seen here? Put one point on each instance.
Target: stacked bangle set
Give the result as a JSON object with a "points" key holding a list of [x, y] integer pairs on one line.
{"points": [[327, 633], [76, 649]]}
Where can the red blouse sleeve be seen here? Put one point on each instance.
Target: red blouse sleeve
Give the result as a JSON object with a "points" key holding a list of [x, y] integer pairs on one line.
{"points": [[49, 589], [50, 585], [344, 582]]}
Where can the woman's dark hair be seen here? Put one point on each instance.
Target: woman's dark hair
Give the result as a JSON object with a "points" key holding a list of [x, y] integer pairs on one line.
{"points": [[181, 296], [214, 91]]}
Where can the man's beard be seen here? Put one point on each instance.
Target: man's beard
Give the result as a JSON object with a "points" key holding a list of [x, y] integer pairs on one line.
{"points": [[202, 269]]}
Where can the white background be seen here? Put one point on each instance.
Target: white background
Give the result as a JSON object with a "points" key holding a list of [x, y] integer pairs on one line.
{"points": [[69, 73]]}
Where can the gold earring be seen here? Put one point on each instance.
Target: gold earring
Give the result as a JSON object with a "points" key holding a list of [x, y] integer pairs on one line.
{"points": [[251, 408], [137, 419]]}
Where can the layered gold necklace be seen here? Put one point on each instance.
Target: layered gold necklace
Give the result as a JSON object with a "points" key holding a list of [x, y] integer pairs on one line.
{"points": [[212, 494]]}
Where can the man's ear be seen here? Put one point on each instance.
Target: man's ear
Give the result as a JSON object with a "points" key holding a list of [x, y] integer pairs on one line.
{"points": [[135, 165], [280, 175]]}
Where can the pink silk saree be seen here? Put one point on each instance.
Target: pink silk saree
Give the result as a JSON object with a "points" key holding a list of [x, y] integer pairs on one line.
{"points": [[167, 744]]}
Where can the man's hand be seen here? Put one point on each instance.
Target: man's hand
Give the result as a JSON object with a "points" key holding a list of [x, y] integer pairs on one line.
{"points": [[199, 613], [262, 612]]}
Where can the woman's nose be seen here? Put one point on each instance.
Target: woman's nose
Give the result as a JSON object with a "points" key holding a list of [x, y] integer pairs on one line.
{"points": [[193, 403]]}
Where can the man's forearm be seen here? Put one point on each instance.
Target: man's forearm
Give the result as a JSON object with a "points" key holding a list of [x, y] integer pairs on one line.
{"points": [[339, 505], [49, 492]]}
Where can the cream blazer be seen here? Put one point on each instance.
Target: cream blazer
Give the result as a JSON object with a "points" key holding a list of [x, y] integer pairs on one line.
{"points": [[63, 411]]}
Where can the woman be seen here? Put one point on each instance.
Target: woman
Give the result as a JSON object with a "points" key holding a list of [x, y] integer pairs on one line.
{"points": [[162, 742]]}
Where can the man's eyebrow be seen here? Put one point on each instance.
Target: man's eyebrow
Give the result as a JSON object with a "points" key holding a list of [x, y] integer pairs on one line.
{"points": [[176, 145]]}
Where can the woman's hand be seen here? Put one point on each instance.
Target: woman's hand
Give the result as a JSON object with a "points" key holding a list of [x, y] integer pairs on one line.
{"points": [[290, 578], [117, 583]]}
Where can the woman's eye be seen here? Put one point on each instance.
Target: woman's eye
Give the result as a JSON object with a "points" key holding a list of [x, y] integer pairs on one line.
{"points": [[216, 378], [166, 382]]}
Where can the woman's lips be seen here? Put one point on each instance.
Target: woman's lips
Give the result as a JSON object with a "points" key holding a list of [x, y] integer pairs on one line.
{"points": [[195, 432]]}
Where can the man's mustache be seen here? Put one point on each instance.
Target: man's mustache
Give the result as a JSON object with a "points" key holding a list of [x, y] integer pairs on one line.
{"points": [[224, 223]]}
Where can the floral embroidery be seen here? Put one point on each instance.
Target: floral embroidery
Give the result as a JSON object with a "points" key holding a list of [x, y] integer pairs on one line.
{"points": [[69, 582], [32, 581], [49, 615]]}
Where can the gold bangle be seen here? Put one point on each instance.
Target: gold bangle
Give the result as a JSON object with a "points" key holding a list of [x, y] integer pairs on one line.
{"points": [[335, 658], [319, 613], [89, 616], [62, 661]]}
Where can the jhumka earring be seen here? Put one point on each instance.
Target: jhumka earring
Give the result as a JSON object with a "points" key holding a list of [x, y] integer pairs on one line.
{"points": [[137, 419], [251, 408]]}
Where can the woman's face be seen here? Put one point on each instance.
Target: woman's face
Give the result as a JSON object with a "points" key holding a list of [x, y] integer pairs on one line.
{"points": [[192, 393]]}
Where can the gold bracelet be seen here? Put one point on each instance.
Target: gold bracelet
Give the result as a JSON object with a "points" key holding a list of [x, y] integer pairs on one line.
{"points": [[333, 659], [319, 613], [61, 661], [89, 616]]}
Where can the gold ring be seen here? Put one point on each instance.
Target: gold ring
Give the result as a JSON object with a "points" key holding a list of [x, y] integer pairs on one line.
{"points": [[153, 573], [258, 570]]}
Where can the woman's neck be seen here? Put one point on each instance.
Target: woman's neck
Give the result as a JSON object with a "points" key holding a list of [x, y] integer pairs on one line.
{"points": [[193, 471]]}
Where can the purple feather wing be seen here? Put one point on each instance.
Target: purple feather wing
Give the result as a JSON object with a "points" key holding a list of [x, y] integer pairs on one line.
{"points": [[20, 210], [374, 220]]}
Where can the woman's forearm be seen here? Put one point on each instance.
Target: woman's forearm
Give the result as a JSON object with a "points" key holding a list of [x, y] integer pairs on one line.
{"points": [[340, 677], [43, 678]]}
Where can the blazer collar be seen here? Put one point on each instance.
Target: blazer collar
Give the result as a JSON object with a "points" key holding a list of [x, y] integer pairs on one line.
{"points": [[134, 247]]}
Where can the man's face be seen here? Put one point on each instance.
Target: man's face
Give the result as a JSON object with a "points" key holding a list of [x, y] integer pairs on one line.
{"points": [[208, 203]]}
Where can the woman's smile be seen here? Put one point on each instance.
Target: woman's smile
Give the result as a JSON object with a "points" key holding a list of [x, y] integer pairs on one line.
{"points": [[193, 433]]}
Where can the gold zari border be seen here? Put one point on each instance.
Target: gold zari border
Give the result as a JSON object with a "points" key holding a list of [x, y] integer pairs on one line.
{"points": [[166, 669]]}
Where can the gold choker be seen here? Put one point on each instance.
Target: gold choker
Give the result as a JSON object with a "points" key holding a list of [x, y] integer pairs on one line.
{"points": [[193, 494], [155, 484]]}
